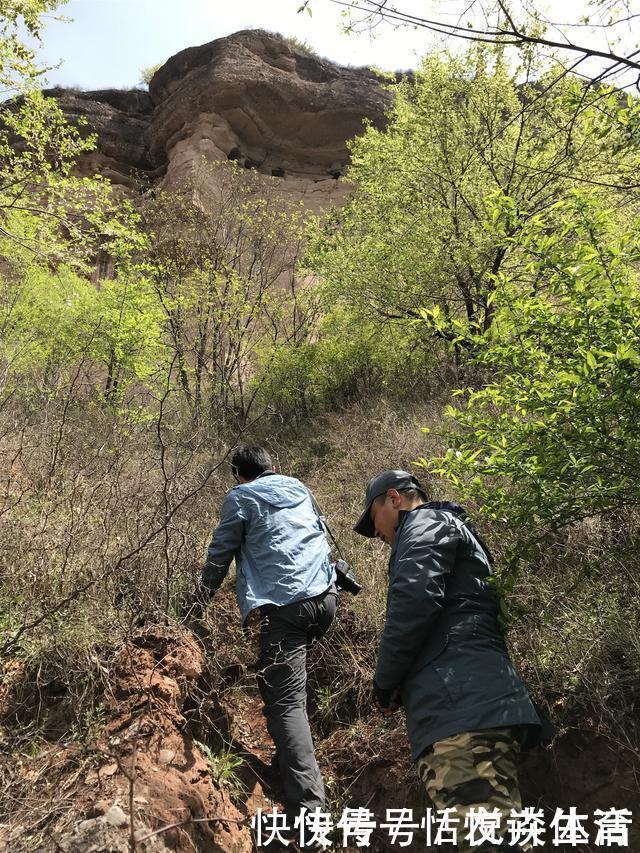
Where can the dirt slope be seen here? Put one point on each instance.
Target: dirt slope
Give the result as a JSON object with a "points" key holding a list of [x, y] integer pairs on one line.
{"points": [[146, 784]]}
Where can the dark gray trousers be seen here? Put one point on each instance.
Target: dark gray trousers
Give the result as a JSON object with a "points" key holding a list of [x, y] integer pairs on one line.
{"points": [[285, 635]]}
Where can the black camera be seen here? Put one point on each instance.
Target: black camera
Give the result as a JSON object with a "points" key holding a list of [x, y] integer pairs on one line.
{"points": [[346, 580]]}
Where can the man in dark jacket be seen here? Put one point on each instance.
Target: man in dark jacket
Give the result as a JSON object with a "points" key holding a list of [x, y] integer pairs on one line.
{"points": [[443, 657], [269, 523]]}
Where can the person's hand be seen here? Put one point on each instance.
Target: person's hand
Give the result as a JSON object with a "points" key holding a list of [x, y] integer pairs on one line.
{"points": [[387, 700]]}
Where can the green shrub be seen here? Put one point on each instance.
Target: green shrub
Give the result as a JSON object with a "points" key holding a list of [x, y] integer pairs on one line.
{"points": [[349, 359]]}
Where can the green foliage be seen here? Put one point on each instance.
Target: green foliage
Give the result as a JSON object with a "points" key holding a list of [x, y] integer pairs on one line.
{"points": [[147, 73], [53, 323], [40, 316], [89, 727], [222, 261], [346, 359], [17, 60], [128, 340], [418, 232], [552, 437], [44, 207], [224, 766], [60, 217]]}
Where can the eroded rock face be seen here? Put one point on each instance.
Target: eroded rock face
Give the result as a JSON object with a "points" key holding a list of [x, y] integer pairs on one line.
{"points": [[121, 120], [252, 98], [256, 99]]}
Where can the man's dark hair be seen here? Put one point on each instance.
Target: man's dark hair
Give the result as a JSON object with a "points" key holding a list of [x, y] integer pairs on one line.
{"points": [[250, 462], [413, 495]]}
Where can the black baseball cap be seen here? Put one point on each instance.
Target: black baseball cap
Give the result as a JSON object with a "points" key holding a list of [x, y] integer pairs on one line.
{"points": [[380, 485]]}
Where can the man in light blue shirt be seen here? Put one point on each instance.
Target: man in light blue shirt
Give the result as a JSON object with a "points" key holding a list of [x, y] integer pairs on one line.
{"points": [[269, 523]]}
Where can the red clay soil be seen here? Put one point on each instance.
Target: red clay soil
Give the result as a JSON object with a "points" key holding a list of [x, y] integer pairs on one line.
{"points": [[146, 764], [146, 768], [146, 730]]}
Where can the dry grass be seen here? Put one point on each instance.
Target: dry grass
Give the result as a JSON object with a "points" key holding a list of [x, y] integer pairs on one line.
{"points": [[119, 535]]}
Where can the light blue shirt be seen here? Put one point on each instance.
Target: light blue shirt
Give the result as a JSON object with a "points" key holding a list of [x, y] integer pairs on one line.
{"points": [[272, 529]]}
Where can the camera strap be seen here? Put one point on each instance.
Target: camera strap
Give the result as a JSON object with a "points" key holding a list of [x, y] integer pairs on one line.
{"points": [[324, 523]]}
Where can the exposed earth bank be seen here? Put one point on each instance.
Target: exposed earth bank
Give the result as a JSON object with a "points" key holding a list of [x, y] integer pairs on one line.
{"points": [[180, 761]]}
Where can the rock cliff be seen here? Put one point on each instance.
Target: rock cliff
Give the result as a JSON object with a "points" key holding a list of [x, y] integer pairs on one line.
{"points": [[252, 97], [121, 121]]}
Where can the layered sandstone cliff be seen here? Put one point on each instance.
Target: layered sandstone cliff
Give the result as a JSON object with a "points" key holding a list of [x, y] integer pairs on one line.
{"points": [[120, 120], [253, 98]]}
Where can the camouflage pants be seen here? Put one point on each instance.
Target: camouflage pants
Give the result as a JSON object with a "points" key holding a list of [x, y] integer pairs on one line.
{"points": [[474, 769]]}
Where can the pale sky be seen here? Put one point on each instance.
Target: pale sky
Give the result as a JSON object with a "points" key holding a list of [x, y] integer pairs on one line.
{"points": [[108, 42]]}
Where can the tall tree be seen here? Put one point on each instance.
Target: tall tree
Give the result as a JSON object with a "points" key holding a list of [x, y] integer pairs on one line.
{"points": [[18, 66], [418, 232], [222, 259], [44, 205], [552, 437]]}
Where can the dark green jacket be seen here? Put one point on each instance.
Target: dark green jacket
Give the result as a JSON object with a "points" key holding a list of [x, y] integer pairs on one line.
{"points": [[441, 644]]}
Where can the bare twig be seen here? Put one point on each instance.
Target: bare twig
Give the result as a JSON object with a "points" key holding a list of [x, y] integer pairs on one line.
{"points": [[190, 820]]}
